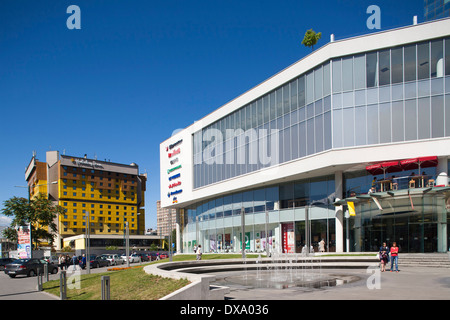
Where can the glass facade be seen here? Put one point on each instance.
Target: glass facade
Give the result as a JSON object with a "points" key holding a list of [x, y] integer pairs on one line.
{"points": [[390, 95], [436, 9], [381, 97]]}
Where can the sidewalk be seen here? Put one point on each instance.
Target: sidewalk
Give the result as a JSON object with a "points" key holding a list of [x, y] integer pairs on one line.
{"points": [[409, 283]]}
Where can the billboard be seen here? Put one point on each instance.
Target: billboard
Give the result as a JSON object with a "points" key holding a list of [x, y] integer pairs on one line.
{"points": [[24, 242]]}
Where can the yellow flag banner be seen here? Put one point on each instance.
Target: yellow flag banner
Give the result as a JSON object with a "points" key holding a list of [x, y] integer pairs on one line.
{"points": [[351, 208]]}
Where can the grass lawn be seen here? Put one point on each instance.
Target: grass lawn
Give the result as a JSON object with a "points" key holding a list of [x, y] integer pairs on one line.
{"points": [[129, 284]]}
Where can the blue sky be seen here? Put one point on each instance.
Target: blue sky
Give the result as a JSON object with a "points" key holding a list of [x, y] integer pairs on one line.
{"points": [[138, 70]]}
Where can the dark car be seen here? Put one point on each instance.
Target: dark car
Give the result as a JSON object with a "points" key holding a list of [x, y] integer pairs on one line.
{"points": [[4, 262], [98, 261], [28, 267], [144, 256]]}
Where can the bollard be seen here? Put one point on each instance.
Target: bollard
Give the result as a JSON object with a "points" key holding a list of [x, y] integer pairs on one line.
{"points": [[63, 285], [39, 280], [106, 286], [46, 272]]}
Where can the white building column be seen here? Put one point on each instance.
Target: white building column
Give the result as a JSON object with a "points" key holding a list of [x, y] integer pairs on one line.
{"points": [[442, 171], [177, 229], [339, 212]]}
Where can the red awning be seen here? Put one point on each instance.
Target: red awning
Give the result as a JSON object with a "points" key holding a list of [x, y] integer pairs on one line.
{"points": [[383, 167], [420, 162]]}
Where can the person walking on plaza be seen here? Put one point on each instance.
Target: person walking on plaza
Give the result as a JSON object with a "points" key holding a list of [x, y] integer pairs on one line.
{"points": [[384, 255], [74, 261], [199, 252], [394, 257]]}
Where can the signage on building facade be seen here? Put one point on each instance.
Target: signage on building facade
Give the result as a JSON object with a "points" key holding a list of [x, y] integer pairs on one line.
{"points": [[86, 163]]}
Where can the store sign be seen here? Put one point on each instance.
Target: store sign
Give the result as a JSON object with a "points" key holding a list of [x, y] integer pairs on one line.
{"points": [[171, 153], [288, 238]]}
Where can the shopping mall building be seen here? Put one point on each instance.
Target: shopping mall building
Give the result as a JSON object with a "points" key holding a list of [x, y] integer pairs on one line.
{"points": [[349, 145]]}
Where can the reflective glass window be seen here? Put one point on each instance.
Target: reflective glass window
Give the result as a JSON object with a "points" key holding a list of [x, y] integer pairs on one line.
{"points": [[397, 65], [385, 122], [410, 62], [360, 125], [359, 71], [437, 116], [397, 121], [371, 70], [447, 56], [337, 82], [423, 61], [318, 85], [347, 74], [423, 114], [372, 124], [437, 59], [384, 69]]}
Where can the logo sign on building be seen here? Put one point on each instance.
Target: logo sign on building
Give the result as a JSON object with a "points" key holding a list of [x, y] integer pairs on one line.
{"points": [[174, 177], [24, 242]]}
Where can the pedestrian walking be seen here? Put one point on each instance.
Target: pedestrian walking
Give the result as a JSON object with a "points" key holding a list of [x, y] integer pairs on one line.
{"points": [[384, 256], [394, 257], [199, 252], [74, 261]]}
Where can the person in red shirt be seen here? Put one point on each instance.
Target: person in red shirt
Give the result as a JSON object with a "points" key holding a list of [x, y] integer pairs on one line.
{"points": [[394, 257]]}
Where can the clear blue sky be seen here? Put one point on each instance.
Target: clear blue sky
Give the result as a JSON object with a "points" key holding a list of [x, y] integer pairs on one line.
{"points": [[138, 70]]}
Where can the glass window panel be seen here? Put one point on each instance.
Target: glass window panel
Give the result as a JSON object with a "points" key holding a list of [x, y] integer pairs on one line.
{"points": [[272, 196], [294, 92], [279, 102], [360, 126], [254, 116], [372, 124], [372, 95], [259, 112], [318, 88], [318, 107], [384, 70], [447, 56], [397, 92], [437, 86], [301, 91], [371, 70], [447, 115], [423, 61], [301, 114], [410, 90], [301, 194], [302, 139], [397, 121], [294, 142], [337, 101], [423, 109], [310, 87], [286, 195], [327, 103], [318, 132], [397, 65], [385, 122], [310, 136], [385, 94], [437, 58], [273, 112], [326, 80], [359, 71], [259, 200], [337, 83], [266, 109], [349, 125], [327, 131], [337, 128], [410, 62], [347, 99], [310, 110], [347, 74], [287, 153], [360, 97], [410, 120], [423, 88], [437, 116], [286, 99]]}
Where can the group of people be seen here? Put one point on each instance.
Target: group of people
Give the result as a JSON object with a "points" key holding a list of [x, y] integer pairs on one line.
{"points": [[387, 254], [64, 261]]}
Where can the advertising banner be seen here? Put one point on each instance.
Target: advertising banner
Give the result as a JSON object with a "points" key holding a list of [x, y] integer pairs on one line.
{"points": [[24, 242]]}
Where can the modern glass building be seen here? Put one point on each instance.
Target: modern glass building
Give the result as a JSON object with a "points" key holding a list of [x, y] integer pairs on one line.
{"points": [[349, 145]]}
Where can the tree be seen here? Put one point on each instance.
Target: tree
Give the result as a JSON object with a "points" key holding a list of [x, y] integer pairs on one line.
{"points": [[311, 38], [39, 212]]}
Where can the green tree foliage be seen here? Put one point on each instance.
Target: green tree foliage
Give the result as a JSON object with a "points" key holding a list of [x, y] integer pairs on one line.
{"points": [[40, 212], [311, 38]]}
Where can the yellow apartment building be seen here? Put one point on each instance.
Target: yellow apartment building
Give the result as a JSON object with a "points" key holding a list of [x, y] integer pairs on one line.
{"points": [[108, 194]]}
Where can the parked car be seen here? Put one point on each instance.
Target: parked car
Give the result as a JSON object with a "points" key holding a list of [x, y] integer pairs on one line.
{"points": [[144, 256], [52, 259], [132, 258], [28, 267], [114, 259], [163, 255], [5, 261]]}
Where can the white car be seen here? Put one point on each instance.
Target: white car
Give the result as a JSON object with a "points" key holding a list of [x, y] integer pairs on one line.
{"points": [[132, 258], [113, 258]]}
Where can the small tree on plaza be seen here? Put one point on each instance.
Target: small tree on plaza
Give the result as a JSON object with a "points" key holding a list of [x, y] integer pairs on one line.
{"points": [[39, 212]]}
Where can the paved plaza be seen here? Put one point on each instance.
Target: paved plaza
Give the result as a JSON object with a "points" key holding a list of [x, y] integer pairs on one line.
{"points": [[417, 283]]}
